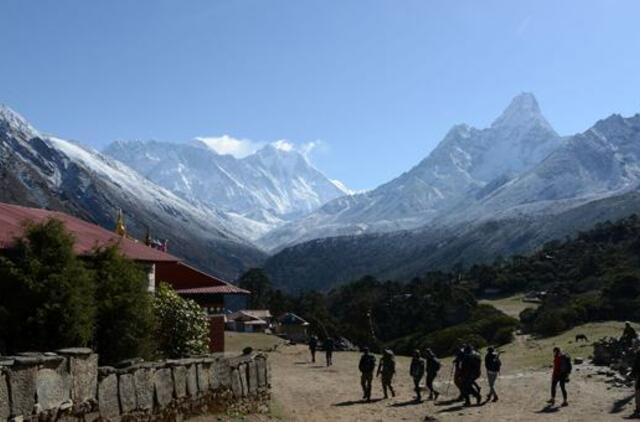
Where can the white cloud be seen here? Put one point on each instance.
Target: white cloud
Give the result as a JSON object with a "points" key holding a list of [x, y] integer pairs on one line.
{"points": [[240, 148], [283, 145], [227, 145]]}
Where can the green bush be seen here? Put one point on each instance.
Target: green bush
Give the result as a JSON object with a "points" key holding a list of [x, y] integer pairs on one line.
{"points": [[124, 321], [46, 293], [183, 327]]}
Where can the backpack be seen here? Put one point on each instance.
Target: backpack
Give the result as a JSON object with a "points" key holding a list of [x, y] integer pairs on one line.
{"points": [[368, 363], [566, 365], [476, 365]]}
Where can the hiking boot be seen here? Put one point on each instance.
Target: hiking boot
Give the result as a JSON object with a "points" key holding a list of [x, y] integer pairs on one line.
{"points": [[551, 401], [467, 404], [478, 399], [495, 398], [565, 404], [435, 395]]}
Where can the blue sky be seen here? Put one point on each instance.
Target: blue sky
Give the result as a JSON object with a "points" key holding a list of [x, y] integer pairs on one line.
{"points": [[376, 84]]}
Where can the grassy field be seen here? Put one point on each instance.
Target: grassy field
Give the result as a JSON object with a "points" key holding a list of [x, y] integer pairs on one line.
{"points": [[234, 342], [511, 305]]}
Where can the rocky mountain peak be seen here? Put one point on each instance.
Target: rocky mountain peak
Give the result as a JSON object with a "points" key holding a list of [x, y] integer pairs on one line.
{"points": [[523, 111]]}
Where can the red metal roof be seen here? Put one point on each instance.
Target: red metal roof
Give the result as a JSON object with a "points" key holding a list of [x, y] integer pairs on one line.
{"points": [[226, 289], [87, 236], [188, 280]]}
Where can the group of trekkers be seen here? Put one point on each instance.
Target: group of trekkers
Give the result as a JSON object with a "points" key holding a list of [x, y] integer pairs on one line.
{"points": [[328, 345], [466, 371]]}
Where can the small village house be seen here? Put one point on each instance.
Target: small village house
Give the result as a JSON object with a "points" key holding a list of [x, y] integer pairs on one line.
{"points": [[249, 321], [292, 327], [207, 290]]}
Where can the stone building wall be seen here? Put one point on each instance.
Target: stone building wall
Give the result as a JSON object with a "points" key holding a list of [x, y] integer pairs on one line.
{"points": [[68, 385]]}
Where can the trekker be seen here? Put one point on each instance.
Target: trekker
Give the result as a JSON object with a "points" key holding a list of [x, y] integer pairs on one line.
{"points": [[313, 346], [457, 371], [492, 364], [367, 366], [387, 368], [329, 345], [433, 366], [470, 372], [635, 373], [416, 370], [561, 370], [629, 335]]}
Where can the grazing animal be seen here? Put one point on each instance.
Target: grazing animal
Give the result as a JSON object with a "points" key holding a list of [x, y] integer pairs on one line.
{"points": [[581, 337]]}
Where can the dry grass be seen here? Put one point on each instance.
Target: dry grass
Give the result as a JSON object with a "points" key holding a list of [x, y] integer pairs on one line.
{"points": [[511, 305], [234, 342]]}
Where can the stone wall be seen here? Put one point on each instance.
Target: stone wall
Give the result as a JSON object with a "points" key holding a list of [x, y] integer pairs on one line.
{"points": [[68, 385]]}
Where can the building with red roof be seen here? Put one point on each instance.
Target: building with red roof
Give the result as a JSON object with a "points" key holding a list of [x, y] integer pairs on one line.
{"points": [[209, 291]]}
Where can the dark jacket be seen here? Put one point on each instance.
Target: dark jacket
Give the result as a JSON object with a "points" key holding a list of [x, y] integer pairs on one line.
{"points": [[433, 364], [367, 364], [492, 362], [471, 366], [416, 370], [328, 345]]}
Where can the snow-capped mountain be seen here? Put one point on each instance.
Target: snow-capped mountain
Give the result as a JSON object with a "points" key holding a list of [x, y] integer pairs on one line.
{"points": [[601, 162], [466, 162], [271, 186], [47, 171]]}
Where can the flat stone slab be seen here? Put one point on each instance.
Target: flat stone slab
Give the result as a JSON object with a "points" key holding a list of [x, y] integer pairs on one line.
{"points": [[163, 385], [5, 407], [108, 397], [127, 392], [192, 380], [180, 380], [53, 385], [143, 380], [75, 351], [23, 386], [84, 371], [204, 377]]}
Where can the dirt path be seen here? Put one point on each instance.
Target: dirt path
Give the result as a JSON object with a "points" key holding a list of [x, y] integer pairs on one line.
{"points": [[311, 392]]}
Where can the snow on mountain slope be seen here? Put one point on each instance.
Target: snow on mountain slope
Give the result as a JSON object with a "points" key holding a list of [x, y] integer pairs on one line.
{"points": [[601, 162], [270, 186], [467, 161], [51, 172]]}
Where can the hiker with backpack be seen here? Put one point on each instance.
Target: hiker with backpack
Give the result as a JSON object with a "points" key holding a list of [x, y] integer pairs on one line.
{"points": [[470, 372], [387, 369], [492, 364], [416, 370], [433, 366], [367, 366], [313, 346], [561, 370]]}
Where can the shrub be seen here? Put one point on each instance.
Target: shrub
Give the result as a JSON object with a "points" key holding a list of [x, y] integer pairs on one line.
{"points": [[46, 293], [124, 320], [183, 328]]}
